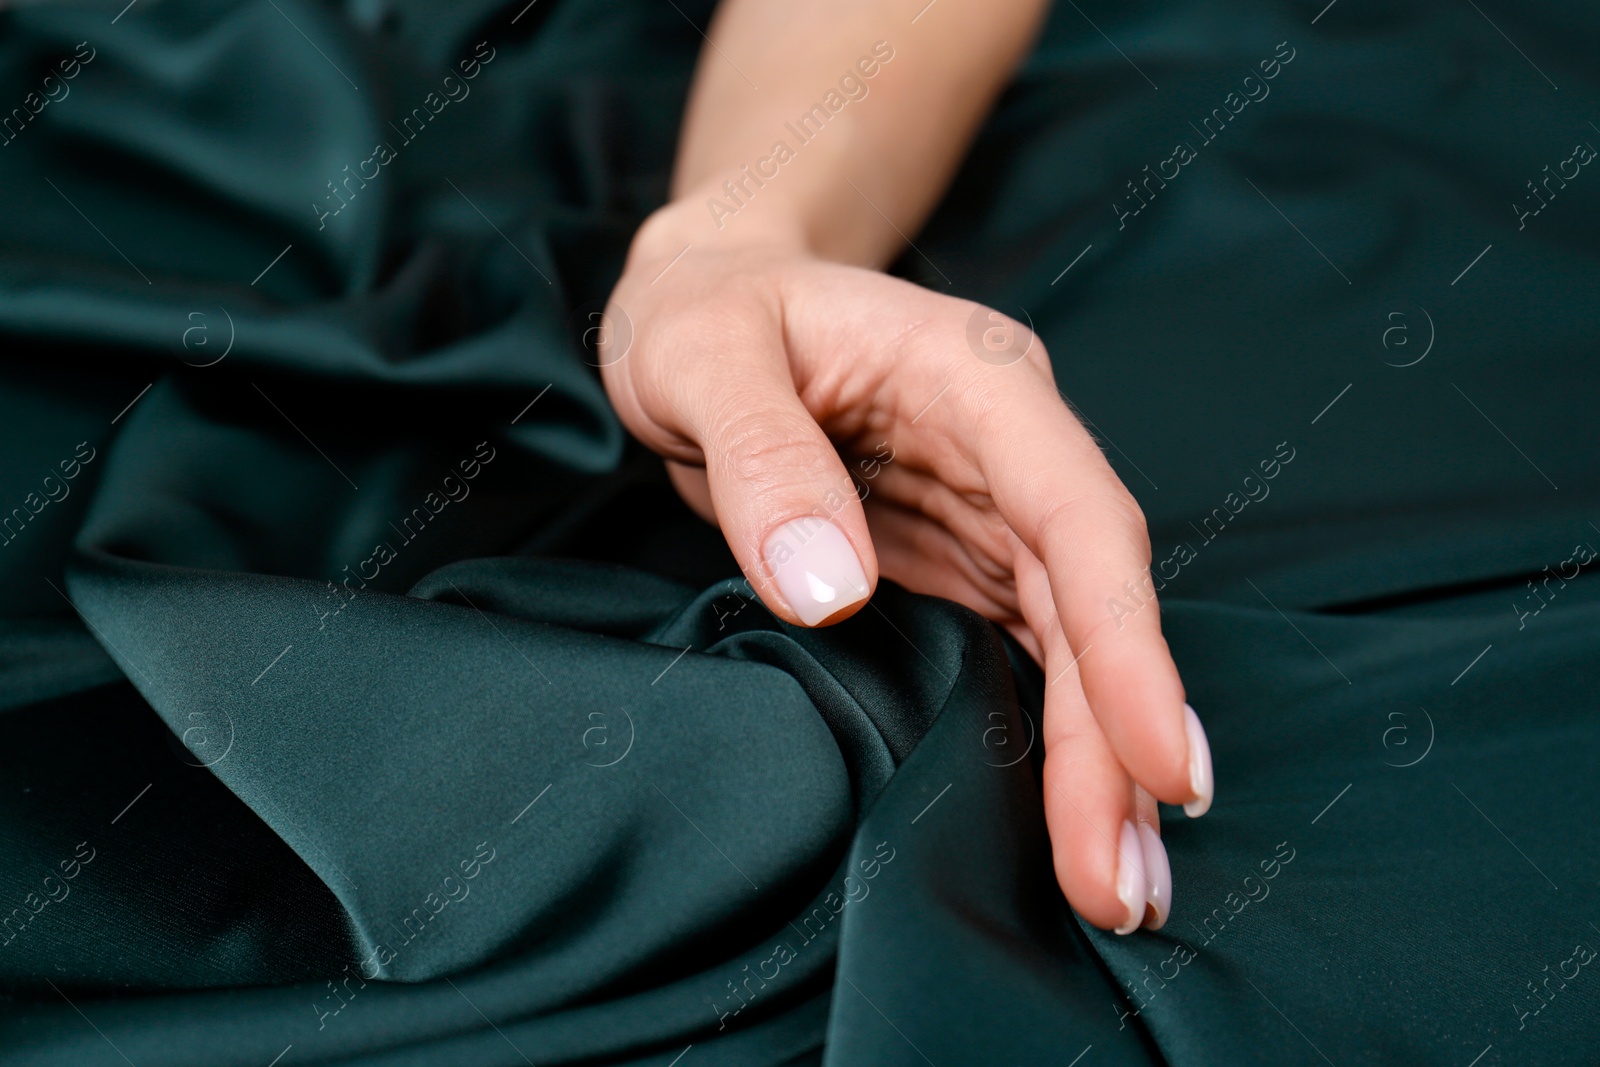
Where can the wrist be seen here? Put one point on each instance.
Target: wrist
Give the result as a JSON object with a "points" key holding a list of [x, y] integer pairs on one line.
{"points": [[698, 217]]}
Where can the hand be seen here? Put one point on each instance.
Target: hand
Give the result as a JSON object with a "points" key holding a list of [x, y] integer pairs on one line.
{"points": [[760, 372]]}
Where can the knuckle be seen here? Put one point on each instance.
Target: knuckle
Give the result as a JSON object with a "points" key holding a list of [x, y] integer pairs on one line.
{"points": [[764, 447], [1129, 518], [1068, 521], [924, 337], [1039, 357], [938, 331], [995, 338]]}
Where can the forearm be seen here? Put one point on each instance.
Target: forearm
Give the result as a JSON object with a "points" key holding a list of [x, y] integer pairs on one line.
{"points": [[837, 125]]}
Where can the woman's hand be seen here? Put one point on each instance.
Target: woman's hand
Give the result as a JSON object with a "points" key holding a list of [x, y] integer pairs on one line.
{"points": [[766, 376]]}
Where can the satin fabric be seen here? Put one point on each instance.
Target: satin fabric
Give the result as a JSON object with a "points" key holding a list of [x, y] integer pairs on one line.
{"points": [[370, 699]]}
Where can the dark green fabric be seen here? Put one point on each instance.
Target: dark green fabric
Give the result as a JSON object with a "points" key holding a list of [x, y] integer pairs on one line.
{"points": [[543, 787]]}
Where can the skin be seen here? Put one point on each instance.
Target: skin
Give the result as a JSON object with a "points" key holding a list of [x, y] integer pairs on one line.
{"points": [[770, 355]]}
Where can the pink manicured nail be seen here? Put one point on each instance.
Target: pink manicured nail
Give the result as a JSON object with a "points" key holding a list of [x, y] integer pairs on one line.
{"points": [[1132, 889], [1158, 875], [817, 571], [1199, 766]]}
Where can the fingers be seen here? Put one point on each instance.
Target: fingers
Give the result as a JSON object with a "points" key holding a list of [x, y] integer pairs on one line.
{"points": [[1103, 859], [1050, 481], [773, 480], [1104, 831], [920, 553], [1157, 871]]}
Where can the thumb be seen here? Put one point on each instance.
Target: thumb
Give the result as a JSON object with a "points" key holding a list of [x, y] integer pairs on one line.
{"points": [[784, 500]]}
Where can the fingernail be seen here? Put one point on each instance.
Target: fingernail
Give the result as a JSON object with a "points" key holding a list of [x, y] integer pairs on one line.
{"points": [[1158, 875], [1199, 766], [1131, 889], [817, 571]]}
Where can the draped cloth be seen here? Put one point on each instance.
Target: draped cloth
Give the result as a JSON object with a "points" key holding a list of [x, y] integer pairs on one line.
{"points": [[370, 699]]}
